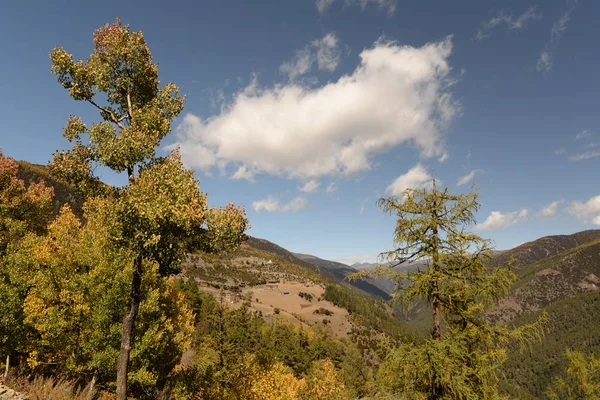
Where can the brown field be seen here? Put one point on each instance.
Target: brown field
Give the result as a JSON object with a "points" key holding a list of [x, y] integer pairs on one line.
{"points": [[295, 309]]}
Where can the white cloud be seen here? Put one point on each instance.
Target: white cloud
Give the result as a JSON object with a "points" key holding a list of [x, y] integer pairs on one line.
{"points": [[550, 210], [388, 5], [325, 52], [468, 178], [512, 23], [323, 5], [396, 95], [589, 211], [331, 188], [300, 65], [328, 53], [497, 220], [583, 134], [546, 59], [310, 186], [544, 63], [243, 173], [416, 178], [585, 156], [272, 204]]}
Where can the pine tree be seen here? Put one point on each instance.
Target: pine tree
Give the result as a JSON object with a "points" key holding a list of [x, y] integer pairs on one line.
{"points": [[161, 207], [464, 351]]}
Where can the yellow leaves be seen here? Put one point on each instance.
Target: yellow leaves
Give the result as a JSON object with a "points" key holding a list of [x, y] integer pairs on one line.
{"points": [[323, 383], [277, 383]]}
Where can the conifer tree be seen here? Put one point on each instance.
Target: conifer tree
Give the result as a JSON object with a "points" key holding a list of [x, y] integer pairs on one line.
{"points": [[460, 359], [161, 206]]}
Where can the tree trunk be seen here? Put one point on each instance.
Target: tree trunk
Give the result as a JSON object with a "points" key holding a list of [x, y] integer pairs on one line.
{"points": [[127, 335], [7, 367], [91, 389], [437, 332]]}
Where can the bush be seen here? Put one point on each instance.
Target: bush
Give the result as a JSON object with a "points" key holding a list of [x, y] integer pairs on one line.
{"points": [[276, 310]]}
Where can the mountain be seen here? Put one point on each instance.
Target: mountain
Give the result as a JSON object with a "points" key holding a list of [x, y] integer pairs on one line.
{"points": [[277, 285], [559, 276], [342, 271], [553, 278], [531, 252]]}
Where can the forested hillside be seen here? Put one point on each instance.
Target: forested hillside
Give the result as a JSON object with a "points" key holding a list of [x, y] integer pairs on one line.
{"points": [[148, 291]]}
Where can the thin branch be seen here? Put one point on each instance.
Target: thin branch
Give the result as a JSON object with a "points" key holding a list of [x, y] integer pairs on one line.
{"points": [[109, 112]]}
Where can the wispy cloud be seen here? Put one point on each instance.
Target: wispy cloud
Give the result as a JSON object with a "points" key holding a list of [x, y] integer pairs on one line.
{"points": [[310, 186], [589, 211], [325, 52], [416, 178], [498, 220], [328, 53], [331, 188], [509, 21], [387, 5], [272, 204], [468, 178], [550, 209], [585, 156], [583, 134], [546, 59], [323, 5]]}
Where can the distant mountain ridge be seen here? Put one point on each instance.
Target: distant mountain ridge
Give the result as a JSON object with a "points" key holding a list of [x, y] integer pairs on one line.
{"points": [[534, 251], [341, 271]]}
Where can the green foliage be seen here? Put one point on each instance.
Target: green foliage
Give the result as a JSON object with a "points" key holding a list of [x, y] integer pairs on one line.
{"points": [[75, 285], [370, 312], [465, 350], [583, 379], [162, 207], [234, 350], [23, 210], [573, 323]]}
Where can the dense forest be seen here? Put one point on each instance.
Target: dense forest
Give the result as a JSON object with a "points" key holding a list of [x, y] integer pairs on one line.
{"points": [[144, 291]]}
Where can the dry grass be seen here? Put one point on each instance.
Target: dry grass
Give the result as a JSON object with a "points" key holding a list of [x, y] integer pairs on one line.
{"points": [[41, 388]]}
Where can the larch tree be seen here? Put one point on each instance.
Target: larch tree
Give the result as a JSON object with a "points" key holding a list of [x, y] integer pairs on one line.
{"points": [[465, 349], [160, 208]]}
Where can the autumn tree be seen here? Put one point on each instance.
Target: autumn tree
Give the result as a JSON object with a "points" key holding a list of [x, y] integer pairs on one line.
{"points": [[464, 351], [161, 206], [23, 210]]}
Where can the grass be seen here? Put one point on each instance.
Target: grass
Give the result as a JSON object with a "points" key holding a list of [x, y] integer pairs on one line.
{"points": [[51, 388]]}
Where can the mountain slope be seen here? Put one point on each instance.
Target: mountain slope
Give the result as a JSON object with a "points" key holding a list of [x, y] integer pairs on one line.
{"points": [[548, 246], [277, 287], [573, 323], [553, 278], [342, 271]]}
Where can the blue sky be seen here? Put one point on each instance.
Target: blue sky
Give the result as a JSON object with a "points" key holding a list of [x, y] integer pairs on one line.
{"points": [[306, 112]]}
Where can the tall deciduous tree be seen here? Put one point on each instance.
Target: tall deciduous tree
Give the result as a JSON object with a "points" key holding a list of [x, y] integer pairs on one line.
{"points": [[161, 206], [460, 359]]}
